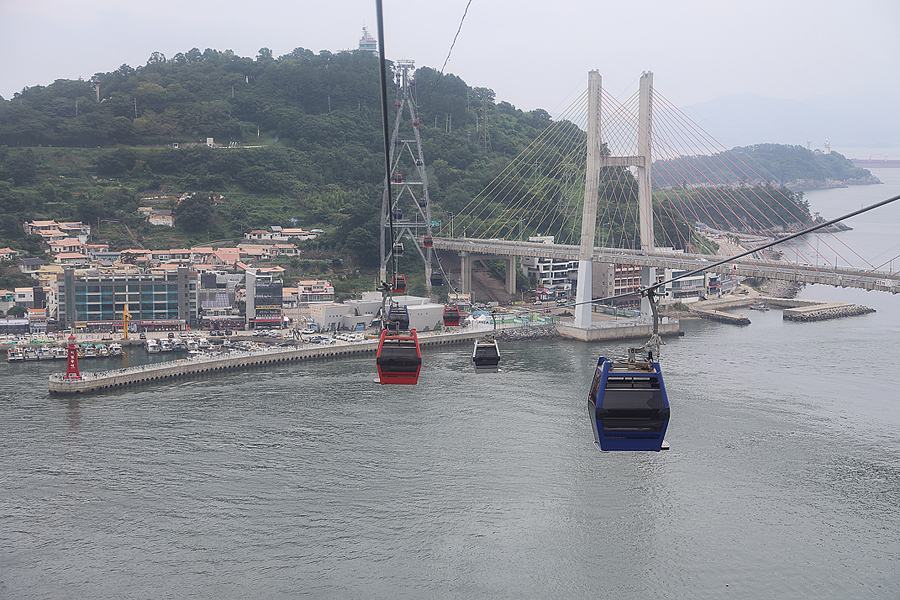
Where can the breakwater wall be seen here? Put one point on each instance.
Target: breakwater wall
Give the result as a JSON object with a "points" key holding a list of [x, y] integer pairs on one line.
{"points": [[794, 309], [522, 334], [721, 317], [826, 311], [96, 381]]}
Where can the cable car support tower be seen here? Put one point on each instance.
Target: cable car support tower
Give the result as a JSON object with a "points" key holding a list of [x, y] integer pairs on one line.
{"points": [[408, 206]]}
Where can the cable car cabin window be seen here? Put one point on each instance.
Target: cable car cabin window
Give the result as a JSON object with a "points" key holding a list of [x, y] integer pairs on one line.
{"points": [[633, 404], [399, 356], [486, 356]]}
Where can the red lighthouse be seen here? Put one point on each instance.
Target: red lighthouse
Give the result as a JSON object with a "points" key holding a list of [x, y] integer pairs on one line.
{"points": [[72, 372]]}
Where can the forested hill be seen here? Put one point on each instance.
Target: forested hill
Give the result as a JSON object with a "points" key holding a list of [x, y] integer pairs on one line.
{"points": [[315, 119], [795, 167]]}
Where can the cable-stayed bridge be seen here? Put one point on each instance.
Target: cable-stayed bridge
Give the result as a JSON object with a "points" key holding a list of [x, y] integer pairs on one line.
{"points": [[474, 249], [632, 183]]}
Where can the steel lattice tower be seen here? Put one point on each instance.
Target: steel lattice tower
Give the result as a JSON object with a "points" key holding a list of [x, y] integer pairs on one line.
{"points": [[411, 209]]}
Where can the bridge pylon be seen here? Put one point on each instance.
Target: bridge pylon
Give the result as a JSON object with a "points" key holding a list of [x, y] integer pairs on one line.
{"points": [[642, 161], [410, 205]]}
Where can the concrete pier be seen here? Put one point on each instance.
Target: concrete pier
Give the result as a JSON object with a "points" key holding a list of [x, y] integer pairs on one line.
{"points": [[97, 381], [613, 330], [794, 309]]}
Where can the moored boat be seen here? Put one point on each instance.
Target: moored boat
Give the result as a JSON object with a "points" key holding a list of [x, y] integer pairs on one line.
{"points": [[152, 346], [15, 354], [115, 349]]}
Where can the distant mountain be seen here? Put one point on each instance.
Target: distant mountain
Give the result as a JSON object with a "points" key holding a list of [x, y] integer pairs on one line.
{"points": [[846, 120], [762, 164]]}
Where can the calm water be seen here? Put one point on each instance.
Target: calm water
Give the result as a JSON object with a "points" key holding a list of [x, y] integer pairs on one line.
{"points": [[311, 481]]}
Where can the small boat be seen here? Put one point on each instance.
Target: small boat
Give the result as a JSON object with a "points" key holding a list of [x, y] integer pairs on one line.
{"points": [[89, 351], [102, 350], [115, 349], [165, 346], [45, 353], [31, 354], [486, 355], [60, 353], [192, 345], [179, 345], [204, 344], [152, 347], [15, 354], [759, 306]]}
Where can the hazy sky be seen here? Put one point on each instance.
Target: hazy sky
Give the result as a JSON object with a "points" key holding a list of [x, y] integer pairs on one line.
{"points": [[532, 54]]}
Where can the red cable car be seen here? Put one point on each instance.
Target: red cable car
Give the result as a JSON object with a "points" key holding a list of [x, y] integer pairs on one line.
{"points": [[399, 284], [398, 178], [399, 359], [428, 241], [415, 122], [451, 316]]}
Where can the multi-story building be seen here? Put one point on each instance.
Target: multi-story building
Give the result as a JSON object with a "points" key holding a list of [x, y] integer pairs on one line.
{"points": [[687, 289], [263, 300], [611, 280], [95, 301], [314, 290], [549, 273]]}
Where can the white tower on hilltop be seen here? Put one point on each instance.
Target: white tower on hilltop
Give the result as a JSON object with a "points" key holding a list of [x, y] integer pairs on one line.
{"points": [[367, 42]]}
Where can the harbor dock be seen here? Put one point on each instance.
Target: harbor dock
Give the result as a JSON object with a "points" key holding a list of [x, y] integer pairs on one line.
{"points": [[96, 381]]}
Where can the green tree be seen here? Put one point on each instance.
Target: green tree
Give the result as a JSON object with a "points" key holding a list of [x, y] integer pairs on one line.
{"points": [[195, 212]]}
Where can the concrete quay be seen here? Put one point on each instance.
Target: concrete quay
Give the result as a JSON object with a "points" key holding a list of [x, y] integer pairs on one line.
{"points": [[794, 309], [616, 330], [97, 381]]}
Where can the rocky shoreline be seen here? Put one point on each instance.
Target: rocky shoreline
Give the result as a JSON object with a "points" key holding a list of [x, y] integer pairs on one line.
{"points": [[825, 314], [782, 289], [521, 334]]}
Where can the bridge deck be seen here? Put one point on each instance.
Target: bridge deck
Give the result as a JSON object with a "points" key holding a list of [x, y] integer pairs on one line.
{"points": [[782, 270]]}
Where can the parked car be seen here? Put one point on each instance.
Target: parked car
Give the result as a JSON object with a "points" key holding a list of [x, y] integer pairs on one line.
{"points": [[142, 336]]}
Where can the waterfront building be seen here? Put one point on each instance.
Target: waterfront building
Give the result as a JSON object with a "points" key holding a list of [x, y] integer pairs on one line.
{"points": [[616, 280], [263, 300], [547, 272], [95, 301]]}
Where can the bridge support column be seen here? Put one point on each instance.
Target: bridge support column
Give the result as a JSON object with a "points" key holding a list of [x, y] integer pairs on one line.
{"points": [[584, 293], [511, 276], [648, 278], [465, 275]]}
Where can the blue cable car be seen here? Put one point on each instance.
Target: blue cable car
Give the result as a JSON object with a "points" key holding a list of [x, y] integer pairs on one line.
{"points": [[628, 406], [437, 278]]}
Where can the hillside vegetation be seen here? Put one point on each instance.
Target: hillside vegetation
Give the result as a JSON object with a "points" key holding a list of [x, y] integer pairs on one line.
{"points": [[795, 167], [298, 143]]}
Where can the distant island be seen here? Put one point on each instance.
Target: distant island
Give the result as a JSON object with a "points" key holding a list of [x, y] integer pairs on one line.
{"points": [[794, 167]]}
